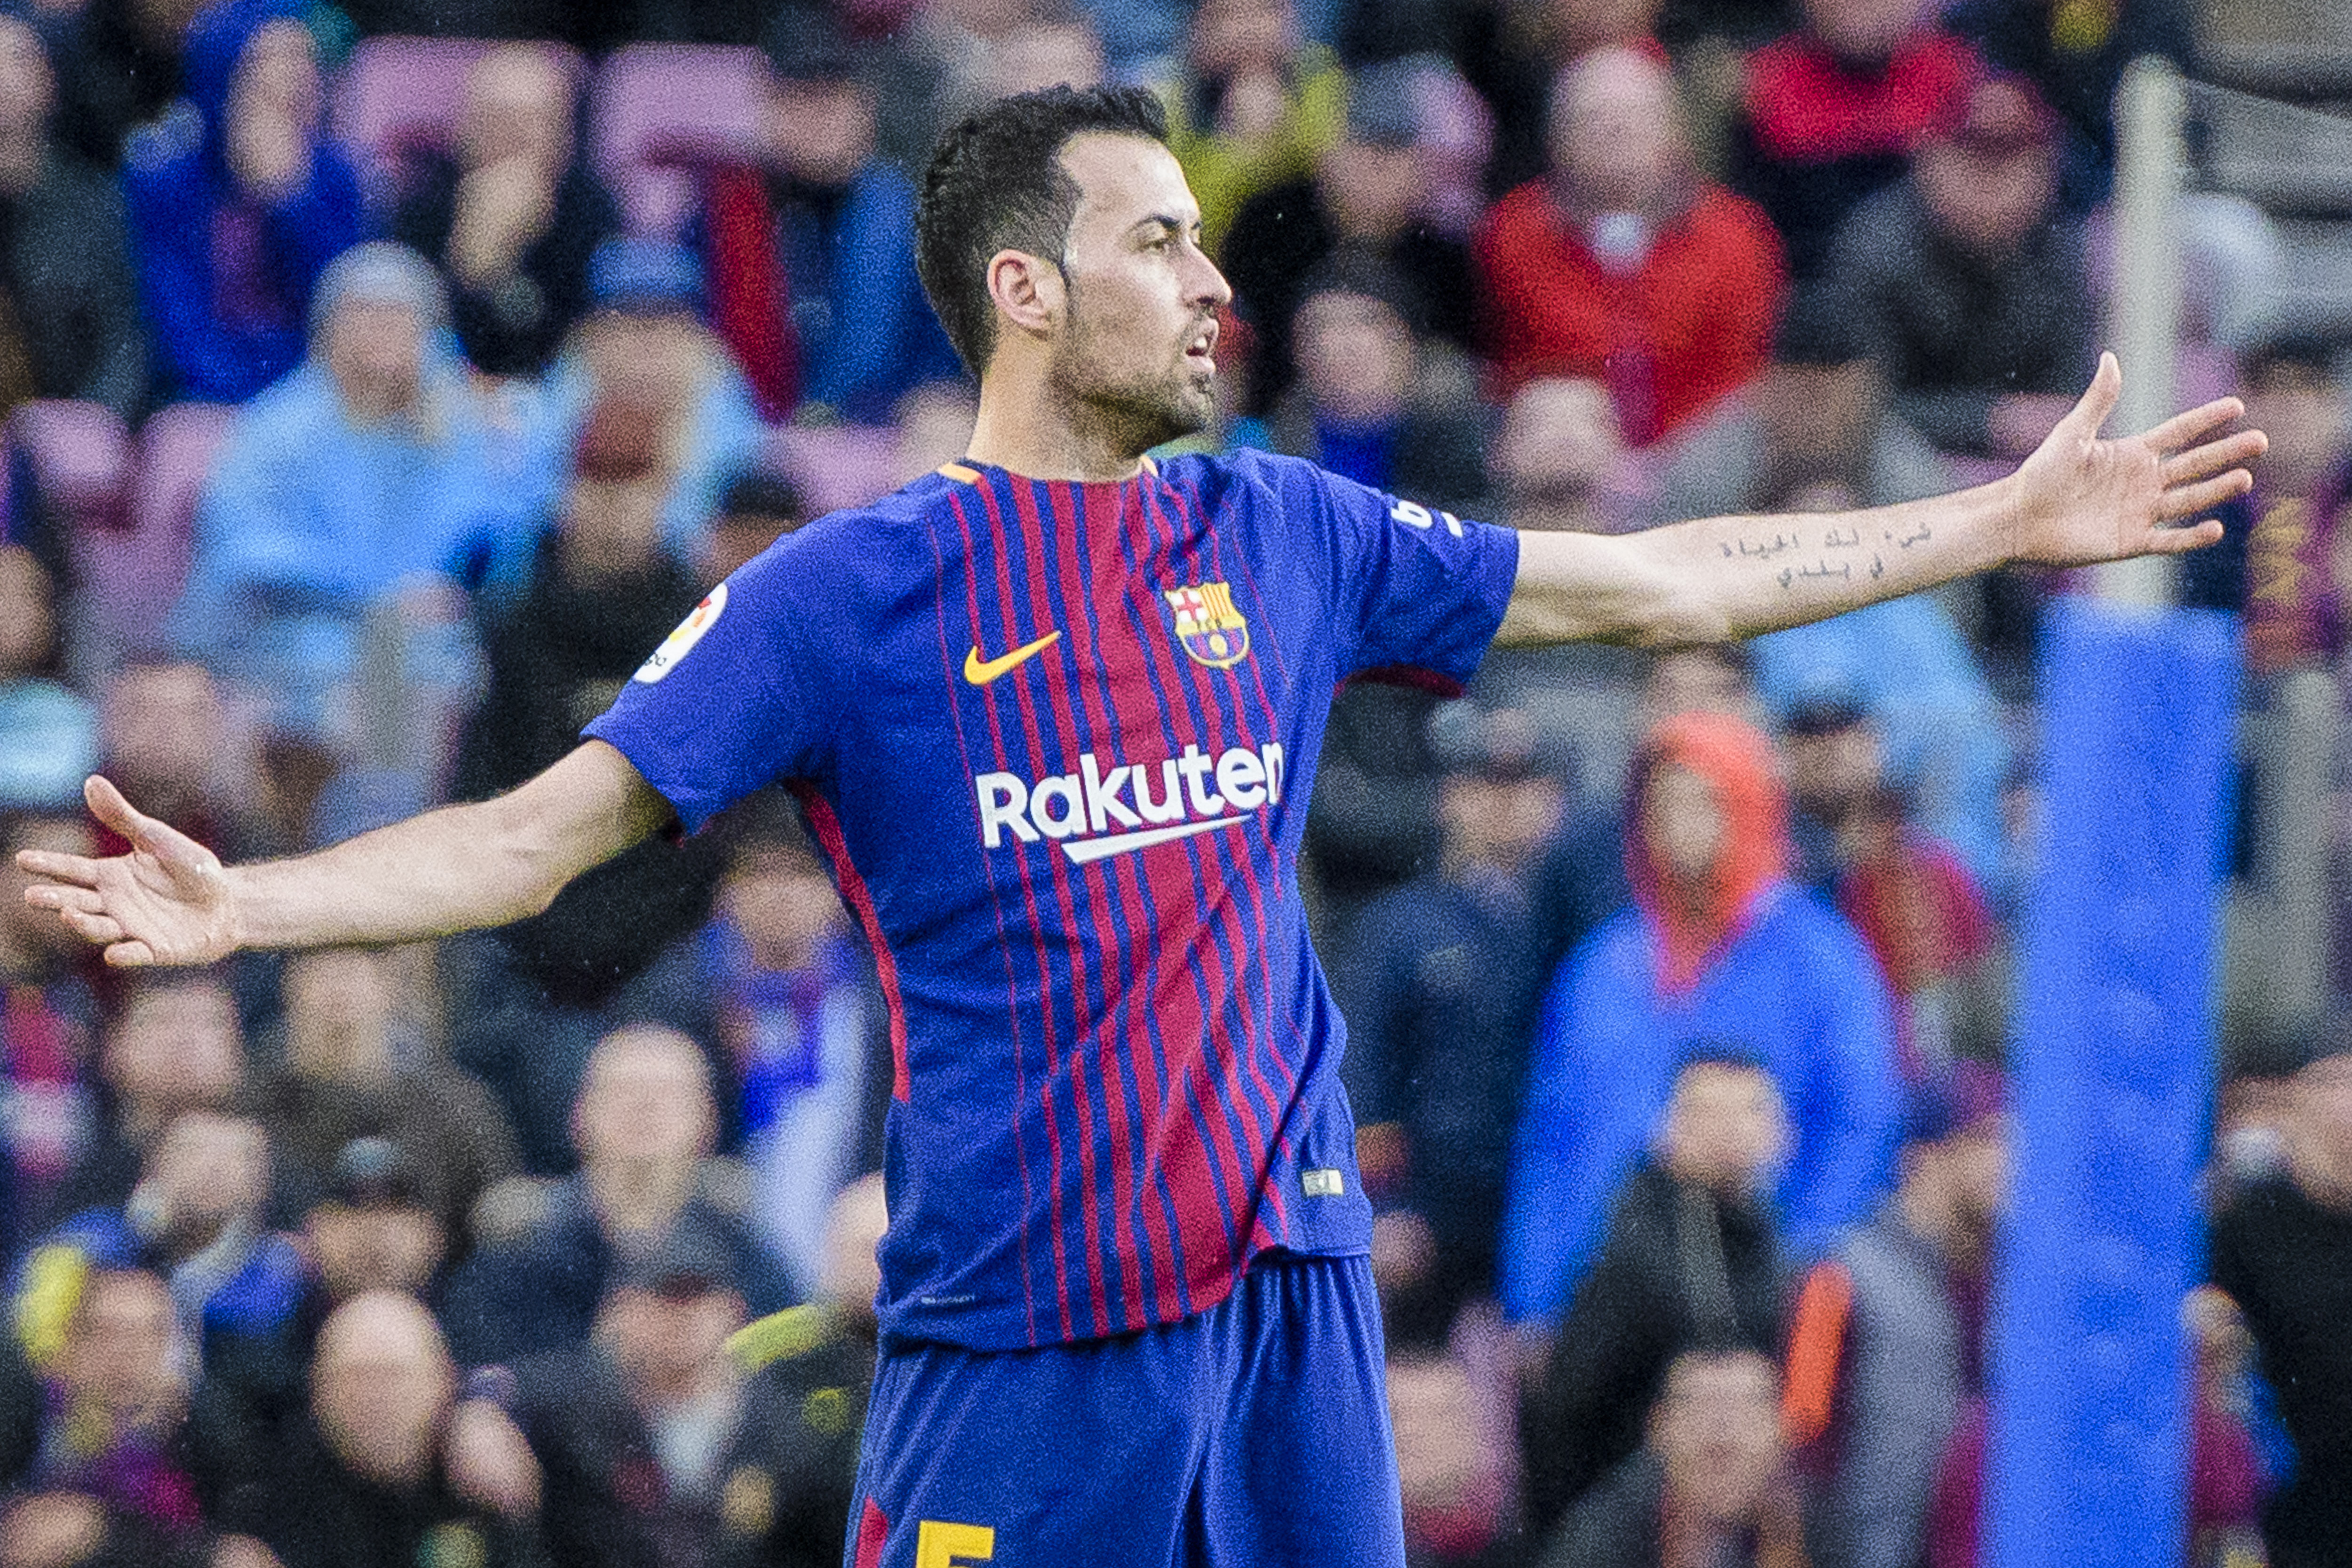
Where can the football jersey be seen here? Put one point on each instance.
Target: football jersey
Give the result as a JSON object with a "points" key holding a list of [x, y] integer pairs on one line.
{"points": [[1057, 740]]}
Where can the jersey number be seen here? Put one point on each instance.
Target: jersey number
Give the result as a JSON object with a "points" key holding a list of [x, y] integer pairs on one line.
{"points": [[1412, 514]]}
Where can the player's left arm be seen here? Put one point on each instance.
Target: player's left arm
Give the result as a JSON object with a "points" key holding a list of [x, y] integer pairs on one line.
{"points": [[2080, 499]]}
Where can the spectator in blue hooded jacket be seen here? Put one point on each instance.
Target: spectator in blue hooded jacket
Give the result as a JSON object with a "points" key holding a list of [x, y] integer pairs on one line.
{"points": [[237, 204], [1718, 943], [364, 480]]}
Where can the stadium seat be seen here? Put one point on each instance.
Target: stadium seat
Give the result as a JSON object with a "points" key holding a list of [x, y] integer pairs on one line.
{"points": [[134, 574], [837, 466], [662, 109], [78, 456], [398, 97]]}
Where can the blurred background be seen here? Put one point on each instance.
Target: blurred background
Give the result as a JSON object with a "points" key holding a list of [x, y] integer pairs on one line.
{"points": [[381, 383]]}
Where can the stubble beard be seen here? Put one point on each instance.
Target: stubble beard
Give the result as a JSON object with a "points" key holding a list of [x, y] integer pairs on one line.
{"points": [[1112, 400]]}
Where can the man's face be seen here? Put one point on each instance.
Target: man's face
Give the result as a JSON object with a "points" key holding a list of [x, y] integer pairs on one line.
{"points": [[340, 1005], [820, 131], [1373, 190], [1355, 356], [1616, 132], [28, 622], [1725, 1127], [1975, 1163], [663, 1340], [1816, 418], [1987, 204], [518, 105], [1559, 441], [1501, 822], [381, 1388], [277, 76], [1136, 348], [1833, 770], [1862, 32], [177, 1048], [164, 728], [119, 1352], [375, 352], [27, 85], [646, 1097], [1718, 1431], [210, 1169], [2319, 1129], [1696, 681], [375, 1247], [1682, 826]]}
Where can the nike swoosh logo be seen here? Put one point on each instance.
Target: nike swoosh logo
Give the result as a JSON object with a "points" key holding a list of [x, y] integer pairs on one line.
{"points": [[980, 671]]}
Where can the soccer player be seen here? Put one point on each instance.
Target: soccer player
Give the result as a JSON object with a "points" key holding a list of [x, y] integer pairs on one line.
{"points": [[1052, 714]]}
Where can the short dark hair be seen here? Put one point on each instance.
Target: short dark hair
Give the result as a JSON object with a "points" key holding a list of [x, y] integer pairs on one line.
{"points": [[997, 183]]}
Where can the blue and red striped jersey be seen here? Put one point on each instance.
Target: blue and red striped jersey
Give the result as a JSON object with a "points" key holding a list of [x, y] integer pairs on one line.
{"points": [[1057, 741]]}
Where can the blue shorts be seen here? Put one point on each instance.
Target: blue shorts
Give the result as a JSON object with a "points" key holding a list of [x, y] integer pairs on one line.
{"points": [[1255, 1434]]}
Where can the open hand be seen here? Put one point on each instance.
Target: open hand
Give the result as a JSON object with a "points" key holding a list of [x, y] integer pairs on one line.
{"points": [[2083, 498], [167, 901]]}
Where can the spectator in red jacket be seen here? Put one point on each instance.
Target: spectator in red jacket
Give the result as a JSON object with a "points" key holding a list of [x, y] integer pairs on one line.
{"points": [[1623, 264], [1835, 111]]}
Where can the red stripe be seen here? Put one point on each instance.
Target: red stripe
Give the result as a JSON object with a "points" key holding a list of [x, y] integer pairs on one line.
{"points": [[948, 677], [1098, 1291], [1205, 687], [1037, 923], [1037, 553], [1200, 950], [1072, 521], [860, 900], [873, 1530], [1197, 1167]]}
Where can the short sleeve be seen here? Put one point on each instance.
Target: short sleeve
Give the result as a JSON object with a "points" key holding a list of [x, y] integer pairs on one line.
{"points": [[727, 704], [1418, 591]]}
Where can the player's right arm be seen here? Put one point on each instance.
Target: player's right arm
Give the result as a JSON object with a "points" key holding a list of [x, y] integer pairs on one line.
{"points": [[171, 901]]}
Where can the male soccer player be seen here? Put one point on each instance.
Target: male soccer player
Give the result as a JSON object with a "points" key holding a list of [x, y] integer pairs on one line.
{"points": [[1053, 713]]}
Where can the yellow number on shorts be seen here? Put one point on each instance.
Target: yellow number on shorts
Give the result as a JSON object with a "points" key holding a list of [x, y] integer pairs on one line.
{"points": [[939, 1545]]}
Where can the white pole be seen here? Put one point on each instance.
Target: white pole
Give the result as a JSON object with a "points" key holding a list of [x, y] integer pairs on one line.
{"points": [[2144, 318]]}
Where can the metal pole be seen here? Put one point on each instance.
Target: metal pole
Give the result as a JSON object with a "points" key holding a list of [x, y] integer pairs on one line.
{"points": [[2144, 318]]}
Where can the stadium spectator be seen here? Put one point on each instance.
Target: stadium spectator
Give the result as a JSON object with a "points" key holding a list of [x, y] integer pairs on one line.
{"points": [[2226, 1481], [1255, 106], [2075, 58], [1369, 193], [1926, 921], [644, 1122], [118, 65], [1905, 667], [48, 732], [811, 256], [1816, 412], [1690, 1262], [2282, 561], [1713, 1483], [103, 1436], [932, 63], [1514, 58], [1835, 111], [600, 595], [659, 1446], [360, 489], [805, 1029], [370, 1476], [645, 341], [513, 219], [173, 1045], [1622, 263], [198, 1216], [1558, 460], [162, 722], [1716, 944], [1441, 988], [354, 1067], [48, 1019], [2283, 1249], [1454, 1459], [757, 508], [236, 208], [1969, 283], [1367, 403], [68, 307], [1056, 46], [1886, 1342]]}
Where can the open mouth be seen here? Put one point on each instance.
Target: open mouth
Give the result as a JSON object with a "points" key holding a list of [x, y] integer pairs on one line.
{"points": [[1202, 349]]}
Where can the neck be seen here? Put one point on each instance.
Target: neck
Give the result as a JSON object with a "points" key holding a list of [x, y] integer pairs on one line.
{"points": [[639, 1195], [20, 161], [1027, 426]]}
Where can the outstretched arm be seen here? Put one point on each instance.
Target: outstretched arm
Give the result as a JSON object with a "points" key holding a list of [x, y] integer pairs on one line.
{"points": [[172, 901], [2077, 500]]}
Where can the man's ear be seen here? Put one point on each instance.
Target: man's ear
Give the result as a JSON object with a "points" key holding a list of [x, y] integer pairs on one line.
{"points": [[1028, 290]]}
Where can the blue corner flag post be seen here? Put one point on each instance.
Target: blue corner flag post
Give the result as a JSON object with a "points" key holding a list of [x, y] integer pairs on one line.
{"points": [[2088, 1448]]}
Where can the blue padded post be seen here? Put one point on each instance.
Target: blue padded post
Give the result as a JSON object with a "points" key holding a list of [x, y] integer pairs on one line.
{"points": [[2088, 1457]]}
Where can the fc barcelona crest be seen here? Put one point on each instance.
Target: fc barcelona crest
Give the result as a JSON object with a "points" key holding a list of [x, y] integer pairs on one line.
{"points": [[1208, 625]]}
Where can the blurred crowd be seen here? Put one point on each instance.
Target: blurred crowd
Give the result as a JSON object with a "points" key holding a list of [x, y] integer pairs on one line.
{"points": [[383, 382]]}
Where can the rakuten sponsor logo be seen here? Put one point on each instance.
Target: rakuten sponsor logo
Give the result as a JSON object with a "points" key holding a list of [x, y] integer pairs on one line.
{"points": [[1094, 813]]}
